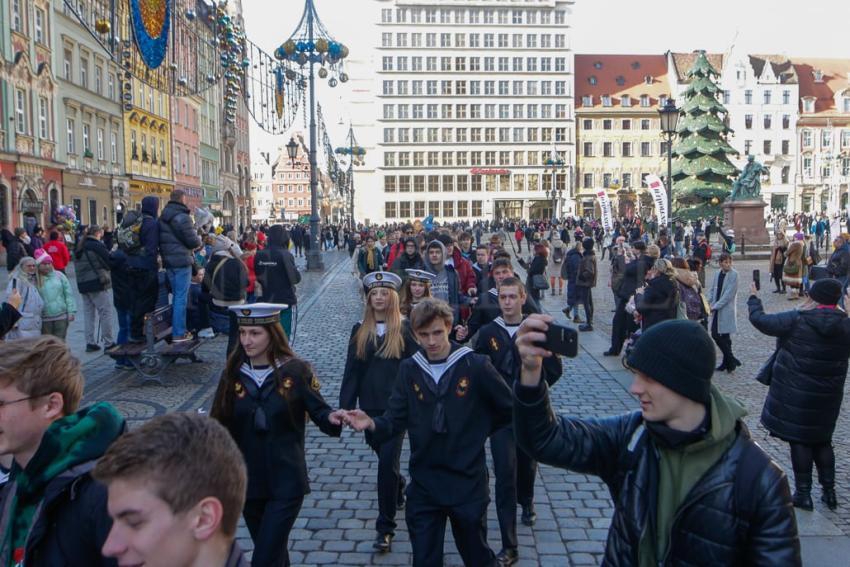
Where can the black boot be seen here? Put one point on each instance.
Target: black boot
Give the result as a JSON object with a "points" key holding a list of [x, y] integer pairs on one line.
{"points": [[803, 491], [529, 516], [827, 482]]}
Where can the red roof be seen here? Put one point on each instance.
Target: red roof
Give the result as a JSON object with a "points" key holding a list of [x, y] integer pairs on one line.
{"points": [[833, 79], [617, 75]]}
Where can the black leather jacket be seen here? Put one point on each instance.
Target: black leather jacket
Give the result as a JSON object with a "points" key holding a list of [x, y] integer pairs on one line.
{"points": [[707, 529]]}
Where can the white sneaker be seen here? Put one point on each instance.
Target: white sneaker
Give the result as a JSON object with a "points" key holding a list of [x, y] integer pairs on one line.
{"points": [[207, 333]]}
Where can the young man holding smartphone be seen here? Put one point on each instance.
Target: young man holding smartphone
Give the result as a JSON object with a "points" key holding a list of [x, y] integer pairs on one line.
{"points": [[515, 470], [689, 484], [449, 399]]}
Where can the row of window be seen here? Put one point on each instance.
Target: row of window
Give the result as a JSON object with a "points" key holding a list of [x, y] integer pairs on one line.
{"points": [[504, 111], [767, 97], [449, 88], [186, 161], [625, 124], [24, 119], [626, 101], [40, 21], [517, 40], [808, 136], [516, 16], [291, 188], [767, 147], [627, 149], [93, 147], [488, 135], [96, 77], [181, 109], [464, 159], [402, 210], [475, 183], [767, 121], [825, 167], [147, 150], [476, 64]]}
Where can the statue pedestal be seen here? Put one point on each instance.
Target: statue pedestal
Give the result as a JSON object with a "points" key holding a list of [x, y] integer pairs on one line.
{"points": [[746, 218]]}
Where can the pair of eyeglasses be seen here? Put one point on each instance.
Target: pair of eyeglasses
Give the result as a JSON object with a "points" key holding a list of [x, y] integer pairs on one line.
{"points": [[4, 404]]}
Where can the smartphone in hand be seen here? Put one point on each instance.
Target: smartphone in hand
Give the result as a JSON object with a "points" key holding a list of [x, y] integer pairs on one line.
{"points": [[14, 283], [561, 340], [757, 279]]}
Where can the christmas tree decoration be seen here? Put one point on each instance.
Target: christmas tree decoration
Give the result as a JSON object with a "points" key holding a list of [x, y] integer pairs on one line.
{"points": [[702, 172]]}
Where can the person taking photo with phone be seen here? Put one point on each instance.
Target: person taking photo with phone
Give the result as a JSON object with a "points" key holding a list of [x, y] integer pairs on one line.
{"points": [[689, 485], [449, 399], [515, 470]]}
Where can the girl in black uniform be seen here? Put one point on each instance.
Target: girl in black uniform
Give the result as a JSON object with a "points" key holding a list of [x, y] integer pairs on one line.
{"points": [[376, 348], [416, 287], [263, 397]]}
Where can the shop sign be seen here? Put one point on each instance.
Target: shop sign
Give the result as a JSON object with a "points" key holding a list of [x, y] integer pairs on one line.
{"points": [[32, 206], [482, 171]]}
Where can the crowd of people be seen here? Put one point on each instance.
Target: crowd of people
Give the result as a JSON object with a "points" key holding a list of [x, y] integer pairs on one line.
{"points": [[450, 352]]}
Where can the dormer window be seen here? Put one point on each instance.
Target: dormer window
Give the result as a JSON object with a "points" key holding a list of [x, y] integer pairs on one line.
{"points": [[625, 101], [597, 65], [587, 100], [606, 100], [818, 74], [592, 80], [648, 79], [635, 65], [662, 100], [808, 105], [644, 101]]}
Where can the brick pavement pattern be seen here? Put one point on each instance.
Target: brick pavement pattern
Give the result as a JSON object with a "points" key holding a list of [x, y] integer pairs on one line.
{"points": [[336, 524]]}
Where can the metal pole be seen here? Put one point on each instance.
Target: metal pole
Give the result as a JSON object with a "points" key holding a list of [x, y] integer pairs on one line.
{"points": [[351, 175], [314, 255], [669, 187]]}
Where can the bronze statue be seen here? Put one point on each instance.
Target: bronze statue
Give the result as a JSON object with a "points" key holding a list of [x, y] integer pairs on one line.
{"points": [[748, 186]]}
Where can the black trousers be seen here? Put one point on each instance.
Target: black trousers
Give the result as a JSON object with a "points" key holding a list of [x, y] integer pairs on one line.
{"points": [[269, 523], [144, 289], [622, 324], [777, 277], [526, 473], [803, 456], [504, 452], [723, 341], [585, 298], [426, 523], [390, 480]]}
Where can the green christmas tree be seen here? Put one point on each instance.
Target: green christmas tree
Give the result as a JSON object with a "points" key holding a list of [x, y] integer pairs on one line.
{"points": [[702, 172]]}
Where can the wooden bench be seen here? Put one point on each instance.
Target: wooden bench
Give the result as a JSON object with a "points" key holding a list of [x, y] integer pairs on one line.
{"points": [[153, 356]]}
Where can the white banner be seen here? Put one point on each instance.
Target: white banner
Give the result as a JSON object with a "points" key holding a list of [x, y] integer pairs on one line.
{"points": [[659, 196], [605, 206]]}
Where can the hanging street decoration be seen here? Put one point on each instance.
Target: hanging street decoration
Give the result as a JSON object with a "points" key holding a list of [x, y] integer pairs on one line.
{"points": [[151, 20], [272, 90]]}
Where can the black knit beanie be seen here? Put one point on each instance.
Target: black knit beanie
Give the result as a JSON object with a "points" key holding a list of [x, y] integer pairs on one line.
{"points": [[826, 291], [678, 354]]}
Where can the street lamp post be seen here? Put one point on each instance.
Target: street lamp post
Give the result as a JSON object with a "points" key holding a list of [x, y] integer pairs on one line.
{"points": [[355, 154], [554, 165], [311, 43], [669, 119]]}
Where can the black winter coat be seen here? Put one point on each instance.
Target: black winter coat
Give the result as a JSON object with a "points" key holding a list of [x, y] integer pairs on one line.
{"points": [[227, 284], [805, 394], [569, 270], [707, 529], [634, 276], [177, 236], [145, 258], [15, 250], [839, 263], [122, 290], [658, 302], [8, 317]]}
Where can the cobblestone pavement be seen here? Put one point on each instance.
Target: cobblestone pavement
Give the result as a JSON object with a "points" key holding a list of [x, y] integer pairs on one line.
{"points": [[336, 524]]}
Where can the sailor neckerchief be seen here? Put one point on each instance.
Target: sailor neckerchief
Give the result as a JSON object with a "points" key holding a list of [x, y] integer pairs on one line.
{"points": [[510, 329], [437, 368], [258, 374]]}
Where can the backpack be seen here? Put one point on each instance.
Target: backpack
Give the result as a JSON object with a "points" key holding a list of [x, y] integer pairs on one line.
{"points": [[128, 235], [692, 302], [707, 251]]}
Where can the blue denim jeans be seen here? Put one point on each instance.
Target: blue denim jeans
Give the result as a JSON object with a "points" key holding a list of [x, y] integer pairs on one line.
{"points": [[179, 279], [680, 248], [124, 319]]}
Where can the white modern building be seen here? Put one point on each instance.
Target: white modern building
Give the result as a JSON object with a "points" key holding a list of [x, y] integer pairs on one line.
{"points": [[761, 93], [472, 99]]}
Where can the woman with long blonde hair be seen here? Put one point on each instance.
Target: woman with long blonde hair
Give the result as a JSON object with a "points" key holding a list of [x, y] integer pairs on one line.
{"points": [[377, 346]]}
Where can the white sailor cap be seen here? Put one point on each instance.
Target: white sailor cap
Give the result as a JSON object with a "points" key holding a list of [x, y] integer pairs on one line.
{"points": [[381, 279], [258, 313], [420, 275]]}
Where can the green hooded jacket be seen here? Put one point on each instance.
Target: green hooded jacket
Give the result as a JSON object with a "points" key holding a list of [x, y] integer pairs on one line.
{"points": [[681, 469]]}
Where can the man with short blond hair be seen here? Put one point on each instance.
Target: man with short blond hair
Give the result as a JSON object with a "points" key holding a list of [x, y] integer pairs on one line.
{"points": [[176, 491], [51, 511]]}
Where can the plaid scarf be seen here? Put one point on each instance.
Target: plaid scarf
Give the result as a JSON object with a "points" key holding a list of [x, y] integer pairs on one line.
{"points": [[68, 442]]}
